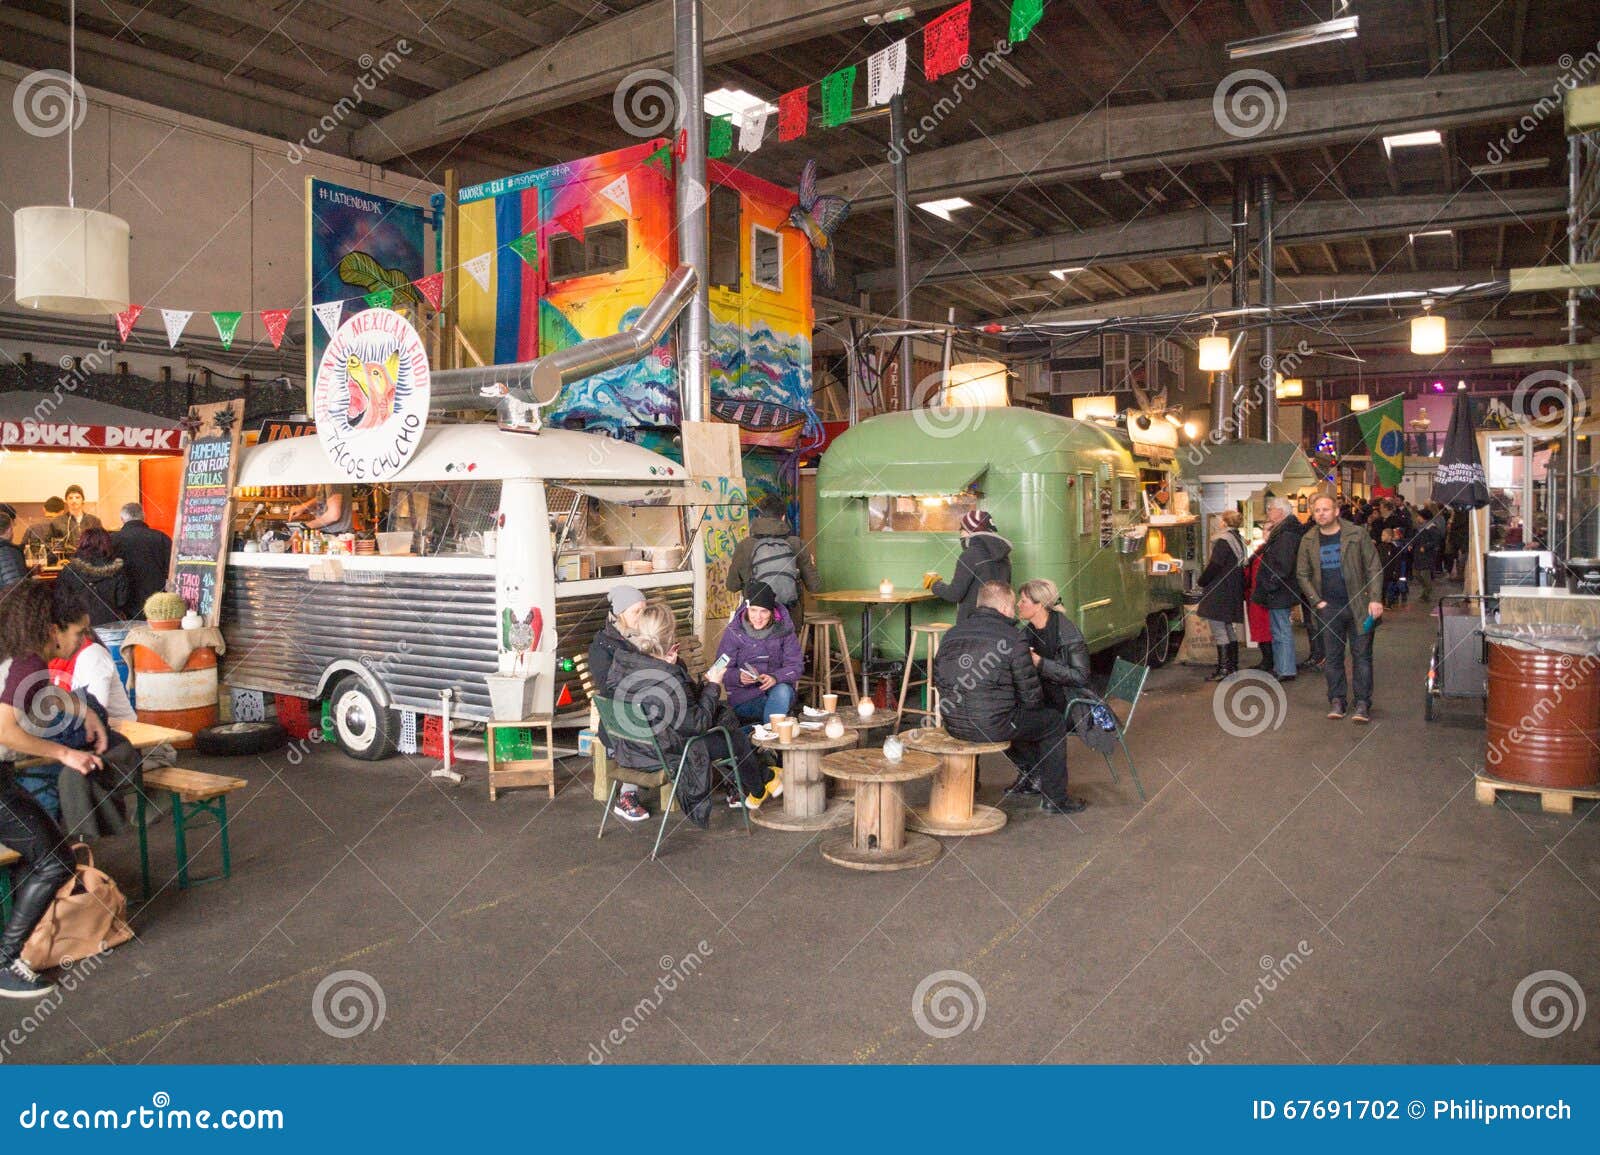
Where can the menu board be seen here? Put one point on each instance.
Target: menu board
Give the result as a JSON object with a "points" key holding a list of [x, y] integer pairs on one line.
{"points": [[205, 507]]}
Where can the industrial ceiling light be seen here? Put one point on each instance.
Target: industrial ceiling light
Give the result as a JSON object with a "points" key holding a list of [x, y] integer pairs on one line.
{"points": [[976, 385], [1429, 335], [943, 207], [1063, 274], [1531, 164], [1323, 32], [1216, 353], [1291, 387], [1360, 403], [1412, 237], [71, 260], [1411, 140], [893, 16], [1173, 419], [737, 103]]}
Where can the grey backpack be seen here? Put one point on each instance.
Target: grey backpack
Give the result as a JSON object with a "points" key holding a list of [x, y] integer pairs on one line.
{"points": [[773, 562]]}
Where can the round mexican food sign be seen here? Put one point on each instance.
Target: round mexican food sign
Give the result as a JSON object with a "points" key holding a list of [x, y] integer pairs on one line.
{"points": [[372, 395]]}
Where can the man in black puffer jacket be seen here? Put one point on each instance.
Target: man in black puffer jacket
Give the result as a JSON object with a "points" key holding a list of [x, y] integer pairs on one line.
{"points": [[989, 692]]}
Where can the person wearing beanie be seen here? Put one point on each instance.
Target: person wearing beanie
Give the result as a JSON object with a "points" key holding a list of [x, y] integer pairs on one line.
{"points": [[764, 659], [627, 603], [985, 557], [773, 555]]}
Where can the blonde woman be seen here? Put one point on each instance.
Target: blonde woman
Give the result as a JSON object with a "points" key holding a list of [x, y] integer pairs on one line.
{"points": [[1222, 604], [649, 677]]}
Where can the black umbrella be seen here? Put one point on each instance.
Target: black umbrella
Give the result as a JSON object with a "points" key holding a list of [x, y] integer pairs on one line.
{"points": [[1459, 480]]}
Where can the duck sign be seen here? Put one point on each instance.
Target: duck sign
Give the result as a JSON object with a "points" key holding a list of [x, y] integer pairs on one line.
{"points": [[371, 402]]}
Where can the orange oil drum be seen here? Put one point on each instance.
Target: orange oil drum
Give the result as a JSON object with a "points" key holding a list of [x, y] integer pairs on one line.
{"points": [[183, 699], [1543, 722]]}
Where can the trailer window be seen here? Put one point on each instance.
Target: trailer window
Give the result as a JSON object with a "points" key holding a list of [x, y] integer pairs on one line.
{"points": [[1127, 493], [925, 514], [445, 518], [604, 249], [1088, 518], [766, 258], [594, 538]]}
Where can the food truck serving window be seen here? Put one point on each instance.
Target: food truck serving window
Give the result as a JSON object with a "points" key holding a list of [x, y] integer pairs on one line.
{"points": [[596, 534], [926, 514], [446, 518], [604, 249]]}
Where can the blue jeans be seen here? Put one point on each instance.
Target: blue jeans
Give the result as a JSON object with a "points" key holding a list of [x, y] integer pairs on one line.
{"points": [[1341, 629], [778, 700], [1282, 642]]}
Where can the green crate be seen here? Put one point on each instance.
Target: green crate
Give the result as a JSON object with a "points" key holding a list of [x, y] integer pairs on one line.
{"points": [[513, 745]]}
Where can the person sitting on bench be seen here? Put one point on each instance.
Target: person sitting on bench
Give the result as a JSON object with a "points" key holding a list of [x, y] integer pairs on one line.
{"points": [[989, 691], [764, 659]]}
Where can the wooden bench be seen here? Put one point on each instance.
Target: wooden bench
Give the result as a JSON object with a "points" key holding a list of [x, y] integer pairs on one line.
{"points": [[8, 859], [194, 794], [690, 652]]}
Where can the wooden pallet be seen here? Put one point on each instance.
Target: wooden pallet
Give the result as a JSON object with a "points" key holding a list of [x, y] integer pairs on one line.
{"points": [[1552, 799]]}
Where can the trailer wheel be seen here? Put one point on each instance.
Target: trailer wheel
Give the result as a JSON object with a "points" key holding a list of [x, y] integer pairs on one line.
{"points": [[363, 726], [1160, 651], [233, 739]]}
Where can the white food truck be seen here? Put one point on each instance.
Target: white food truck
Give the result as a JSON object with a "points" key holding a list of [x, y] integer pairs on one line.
{"points": [[501, 546]]}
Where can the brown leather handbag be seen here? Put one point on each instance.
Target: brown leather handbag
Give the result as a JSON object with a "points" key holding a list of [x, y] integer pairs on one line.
{"points": [[88, 916]]}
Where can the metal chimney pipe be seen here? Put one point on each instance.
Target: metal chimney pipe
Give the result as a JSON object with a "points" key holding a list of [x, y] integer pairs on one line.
{"points": [[902, 237], [694, 195], [1222, 385], [1269, 336]]}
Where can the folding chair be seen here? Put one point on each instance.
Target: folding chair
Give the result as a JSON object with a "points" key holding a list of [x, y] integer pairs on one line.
{"points": [[1126, 684], [625, 720]]}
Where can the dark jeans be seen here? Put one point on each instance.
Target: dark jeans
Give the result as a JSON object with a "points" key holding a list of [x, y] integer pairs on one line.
{"points": [[753, 776], [1339, 630], [1039, 748], [46, 863]]}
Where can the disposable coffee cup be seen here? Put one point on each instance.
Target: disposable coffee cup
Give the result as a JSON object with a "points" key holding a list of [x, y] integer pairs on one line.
{"points": [[775, 719], [786, 730], [830, 702]]}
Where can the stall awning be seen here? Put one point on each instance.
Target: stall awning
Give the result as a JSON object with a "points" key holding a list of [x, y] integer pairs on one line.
{"points": [[904, 479]]}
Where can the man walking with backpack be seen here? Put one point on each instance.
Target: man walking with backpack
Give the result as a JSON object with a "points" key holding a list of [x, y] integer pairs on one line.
{"points": [[772, 555]]}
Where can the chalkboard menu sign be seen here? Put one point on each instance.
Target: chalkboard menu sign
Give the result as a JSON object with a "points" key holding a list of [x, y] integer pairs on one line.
{"points": [[205, 507]]}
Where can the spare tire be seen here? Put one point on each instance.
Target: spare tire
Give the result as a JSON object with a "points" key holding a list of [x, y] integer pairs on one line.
{"points": [[232, 739]]}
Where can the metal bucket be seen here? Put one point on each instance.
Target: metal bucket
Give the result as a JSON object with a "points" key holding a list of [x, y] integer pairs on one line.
{"points": [[1543, 721]]}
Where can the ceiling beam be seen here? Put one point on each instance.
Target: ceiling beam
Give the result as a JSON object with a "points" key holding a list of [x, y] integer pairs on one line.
{"points": [[1200, 231], [1110, 32], [538, 28], [406, 23], [594, 61], [1174, 133]]}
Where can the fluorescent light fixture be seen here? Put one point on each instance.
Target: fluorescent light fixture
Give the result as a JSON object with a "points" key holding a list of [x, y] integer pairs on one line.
{"points": [[1111, 174], [736, 102], [1411, 140], [1412, 237], [1173, 419], [1532, 164], [1063, 274], [1360, 403], [944, 206], [1324, 32], [893, 16]]}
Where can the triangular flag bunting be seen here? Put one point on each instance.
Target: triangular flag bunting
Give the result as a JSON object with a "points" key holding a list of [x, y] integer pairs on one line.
{"points": [[719, 136], [944, 41], [126, 318], [276, 321], [661, 158], [1025, 14], [527, 247], [753, 128], [794, 110], [329, 313], [380, 299], [478, 269], [572, 221], [175, 320], [432, 289], [886, 74], [619, 194], [227, 324], [694, 194], [838, 96]]}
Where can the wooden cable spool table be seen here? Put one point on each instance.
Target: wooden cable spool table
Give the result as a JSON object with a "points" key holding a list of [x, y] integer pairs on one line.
{"points": [[805, 796], [879, 840], [865, 731], [951, 809]]}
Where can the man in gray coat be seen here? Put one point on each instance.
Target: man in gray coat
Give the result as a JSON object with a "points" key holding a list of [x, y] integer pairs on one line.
{"points": [[1342, 579]]}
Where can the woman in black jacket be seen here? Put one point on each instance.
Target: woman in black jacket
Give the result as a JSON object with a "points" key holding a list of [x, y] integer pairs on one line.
{"points": [[648, 677], [97, 577], [1276, 588], [985, 557], [1222, 604], [1061, 656]]}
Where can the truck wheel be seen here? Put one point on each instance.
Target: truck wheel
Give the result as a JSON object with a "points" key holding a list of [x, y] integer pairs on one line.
{"points": [[233, 739], [1160, 651], [364, 728], [1137, 648]]}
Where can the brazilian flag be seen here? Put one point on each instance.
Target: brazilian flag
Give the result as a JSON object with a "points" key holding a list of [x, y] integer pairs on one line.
{"points": [[1383, 427]]}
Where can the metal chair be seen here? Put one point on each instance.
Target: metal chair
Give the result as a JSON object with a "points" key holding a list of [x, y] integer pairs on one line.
{"points": [[1126, 684], [629, 721]]}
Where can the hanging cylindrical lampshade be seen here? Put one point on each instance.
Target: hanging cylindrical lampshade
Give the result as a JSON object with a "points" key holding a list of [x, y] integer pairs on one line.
{"points": [[1099, 405], [1215, 354], [1360, 403], [1428, 334], [1291, 387], [71, 260], [976, 385]]}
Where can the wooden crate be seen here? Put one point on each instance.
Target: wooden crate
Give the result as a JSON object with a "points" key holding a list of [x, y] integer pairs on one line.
{"points": [[510, 774], [1552, 799]]}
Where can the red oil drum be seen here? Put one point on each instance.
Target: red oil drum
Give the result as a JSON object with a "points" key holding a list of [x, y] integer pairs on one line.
{"points": [[183, 699], [1543, 724]]}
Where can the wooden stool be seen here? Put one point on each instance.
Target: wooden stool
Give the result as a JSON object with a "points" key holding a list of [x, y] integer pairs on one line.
{"points": [[817, 645], [878, 840], [511, 773], [194, 794], [929, 633], [951, 809], [805, 796]]}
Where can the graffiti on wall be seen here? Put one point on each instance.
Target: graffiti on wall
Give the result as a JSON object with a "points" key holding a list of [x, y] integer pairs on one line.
{"points": [[722, 528]]}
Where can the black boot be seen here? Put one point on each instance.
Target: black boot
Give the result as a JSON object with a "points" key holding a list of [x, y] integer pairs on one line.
{"points": [[28, 905], [1266, 658], [1220, 671], [1230, 663]]}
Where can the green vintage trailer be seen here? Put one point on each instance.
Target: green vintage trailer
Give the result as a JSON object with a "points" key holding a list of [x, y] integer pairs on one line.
{"points": [[1070, 496]]}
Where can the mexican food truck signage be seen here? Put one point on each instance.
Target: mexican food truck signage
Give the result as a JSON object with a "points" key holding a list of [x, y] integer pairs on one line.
{"points": [[200, 539], [372, 388]]}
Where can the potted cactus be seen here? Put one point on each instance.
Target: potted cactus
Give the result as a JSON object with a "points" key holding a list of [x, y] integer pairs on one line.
{"points": [[164, 611]]}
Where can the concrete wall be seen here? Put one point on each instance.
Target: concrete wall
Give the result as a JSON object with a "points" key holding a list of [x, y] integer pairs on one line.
{"points": [[217, 214]]}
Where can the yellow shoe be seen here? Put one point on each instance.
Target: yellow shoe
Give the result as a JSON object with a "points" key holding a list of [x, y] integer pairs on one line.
{"points": [[753, 802], [775, 787]]}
